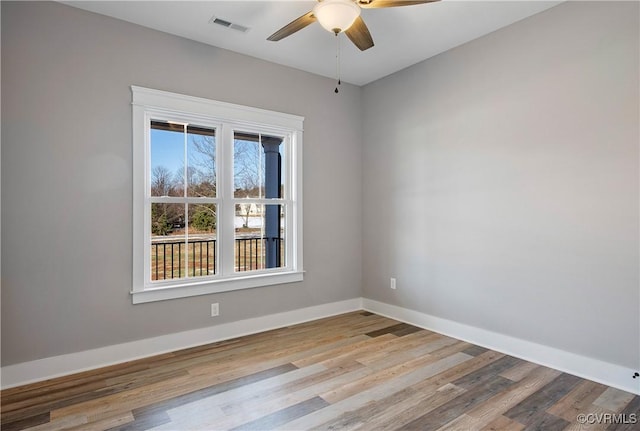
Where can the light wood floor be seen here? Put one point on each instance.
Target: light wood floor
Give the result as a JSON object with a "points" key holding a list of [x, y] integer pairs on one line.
{"points": [[354, 371]]}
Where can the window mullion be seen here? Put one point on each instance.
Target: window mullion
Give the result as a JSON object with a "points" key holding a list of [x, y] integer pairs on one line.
{"points": [[185, 186], [227, 207]]}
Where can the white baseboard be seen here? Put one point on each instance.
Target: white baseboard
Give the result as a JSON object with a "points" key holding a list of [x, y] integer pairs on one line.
{"points": [[592, 369], [57, 366]]}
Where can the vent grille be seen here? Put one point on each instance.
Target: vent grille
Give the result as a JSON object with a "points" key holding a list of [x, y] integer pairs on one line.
{"points": [[228, 24]]}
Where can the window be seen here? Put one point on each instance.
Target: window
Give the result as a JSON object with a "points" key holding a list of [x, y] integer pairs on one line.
{"points": [[217, 202]]}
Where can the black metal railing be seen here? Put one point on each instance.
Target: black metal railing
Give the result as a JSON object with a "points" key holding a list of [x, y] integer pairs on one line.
{"points": [[250, 253], [168, 257]]}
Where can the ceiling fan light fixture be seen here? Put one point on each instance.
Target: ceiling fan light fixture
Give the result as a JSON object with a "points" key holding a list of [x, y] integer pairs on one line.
{"points": [[336, 15]]}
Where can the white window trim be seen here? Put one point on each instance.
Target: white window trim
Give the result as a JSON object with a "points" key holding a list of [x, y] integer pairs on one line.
{"points": [[146, 102]]}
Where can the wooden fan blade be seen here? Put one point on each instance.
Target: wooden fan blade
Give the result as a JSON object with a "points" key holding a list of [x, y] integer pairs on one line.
{"points": [[377, 4], [359, 34], [293, 26]]}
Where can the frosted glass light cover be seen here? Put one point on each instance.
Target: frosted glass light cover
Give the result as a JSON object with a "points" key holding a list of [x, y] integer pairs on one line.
{"points": [[336, 15]]}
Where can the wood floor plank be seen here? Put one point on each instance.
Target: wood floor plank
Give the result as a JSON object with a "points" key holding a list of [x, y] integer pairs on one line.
{"points": [[143, 421], [383, 358], [462, 422], [502, 423], [347, 353], [520, 371], [529, 409], [65, 423], [156, 392], [630, 415], [259, 391], [456, 407], [156, 413], [407, 330], [186, 417], [475, 350], [483, 414], [394, 329], [379, 392], [577, 400], [253, 408], [59, 399], [394, 411], [402, 346], [435, 384], [238, 403], [613, 399], [355, 371], [25, 422], [546, 422], [78, 383], [488, 372], [105, 424], [11, 395], [242, 405], [375, 379], [576, 425], [277, 419]]}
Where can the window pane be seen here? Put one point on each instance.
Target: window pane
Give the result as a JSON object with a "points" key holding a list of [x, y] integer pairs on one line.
{"points": [[167, 159], [167, 241], [201, 240], [201, 165], [259, 238], [257, 165]]}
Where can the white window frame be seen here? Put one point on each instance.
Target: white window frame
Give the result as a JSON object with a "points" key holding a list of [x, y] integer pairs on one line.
{"points": [[225, 117]]}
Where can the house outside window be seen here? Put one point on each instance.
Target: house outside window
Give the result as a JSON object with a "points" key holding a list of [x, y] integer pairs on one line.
{"points": [[217, 196]]}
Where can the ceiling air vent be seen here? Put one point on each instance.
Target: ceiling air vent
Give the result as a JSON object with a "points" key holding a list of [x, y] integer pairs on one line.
{"points": [[228, 24]]}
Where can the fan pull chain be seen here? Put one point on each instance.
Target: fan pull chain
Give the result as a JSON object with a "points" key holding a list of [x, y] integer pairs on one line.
{"points": [[337, 61]]}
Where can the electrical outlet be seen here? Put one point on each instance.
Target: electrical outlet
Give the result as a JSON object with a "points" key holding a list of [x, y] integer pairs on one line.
{"points": [[393, 283], [215, 309]]}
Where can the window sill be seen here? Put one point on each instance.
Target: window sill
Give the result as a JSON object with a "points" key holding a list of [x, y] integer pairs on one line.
{"points": [[216, 286]]}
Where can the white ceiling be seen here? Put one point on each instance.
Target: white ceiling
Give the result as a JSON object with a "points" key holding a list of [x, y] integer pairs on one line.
{"points": [[403, 36]]}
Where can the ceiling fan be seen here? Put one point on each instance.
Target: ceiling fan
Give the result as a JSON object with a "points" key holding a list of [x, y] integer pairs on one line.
{"points": [[339, 16]]}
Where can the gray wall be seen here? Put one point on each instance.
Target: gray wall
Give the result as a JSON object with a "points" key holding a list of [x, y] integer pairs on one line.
{"points": [[501, 182], [66, 178]]}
